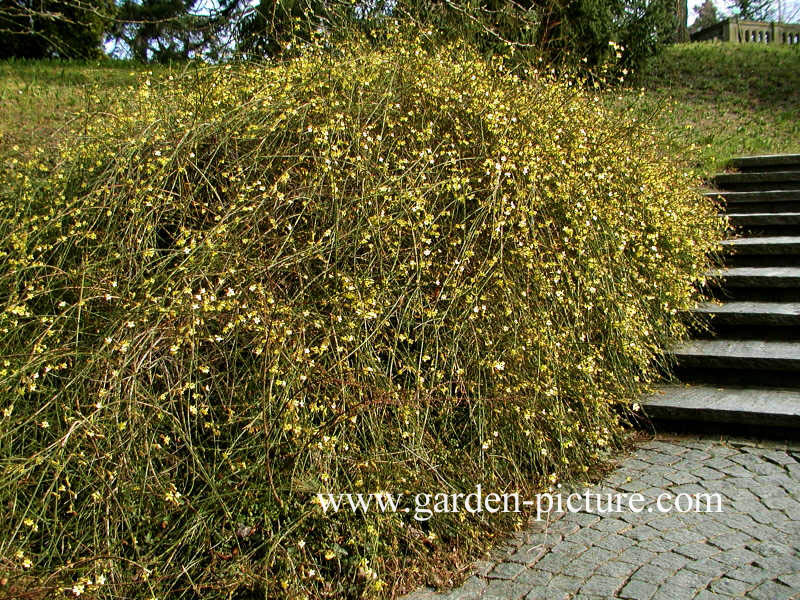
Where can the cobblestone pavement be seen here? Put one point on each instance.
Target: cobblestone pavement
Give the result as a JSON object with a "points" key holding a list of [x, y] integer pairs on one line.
{"points": [[749, 550]]}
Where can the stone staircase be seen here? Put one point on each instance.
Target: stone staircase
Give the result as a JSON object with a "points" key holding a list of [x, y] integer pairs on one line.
{"points": [[745, 369]]}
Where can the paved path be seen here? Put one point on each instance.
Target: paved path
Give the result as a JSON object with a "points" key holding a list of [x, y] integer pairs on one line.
{"points": [[749, 550]]}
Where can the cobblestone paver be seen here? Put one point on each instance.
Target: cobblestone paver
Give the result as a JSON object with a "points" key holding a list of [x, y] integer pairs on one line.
{"points": [[749, 550]]}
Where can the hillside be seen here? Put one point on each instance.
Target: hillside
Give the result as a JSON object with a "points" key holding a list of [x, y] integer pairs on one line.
{"points": [[725, 98], [38, 98]]}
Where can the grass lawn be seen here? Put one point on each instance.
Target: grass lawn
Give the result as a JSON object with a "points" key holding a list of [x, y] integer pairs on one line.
{"points": [[726, 99], [38, 98]]}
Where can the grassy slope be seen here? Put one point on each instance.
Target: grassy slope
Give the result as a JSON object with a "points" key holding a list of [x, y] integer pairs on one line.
{"points": [[38, 98], [727, 99]]}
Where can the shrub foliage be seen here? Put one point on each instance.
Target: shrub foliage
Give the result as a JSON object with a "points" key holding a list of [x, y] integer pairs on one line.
{"points": [[54, 28], [401, 269]]}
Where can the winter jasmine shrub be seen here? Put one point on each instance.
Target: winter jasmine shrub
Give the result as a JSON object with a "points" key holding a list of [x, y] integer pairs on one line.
{"points": [[396, 269]]}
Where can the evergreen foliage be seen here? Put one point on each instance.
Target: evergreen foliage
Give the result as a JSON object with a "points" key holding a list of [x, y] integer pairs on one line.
{"points": [[54, 28]]}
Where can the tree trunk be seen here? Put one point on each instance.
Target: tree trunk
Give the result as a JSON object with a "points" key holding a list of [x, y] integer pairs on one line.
{"points": [[682, 14]]}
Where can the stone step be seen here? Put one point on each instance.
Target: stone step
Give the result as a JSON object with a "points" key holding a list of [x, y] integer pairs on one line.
{"points": [[765, 224], [737, 354], [747, 369], [766, 162], [732, 405], [767, 245], [782, 219], [758, 181], [765, 314], [770, 201], [757, 277], [763, 196]]}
